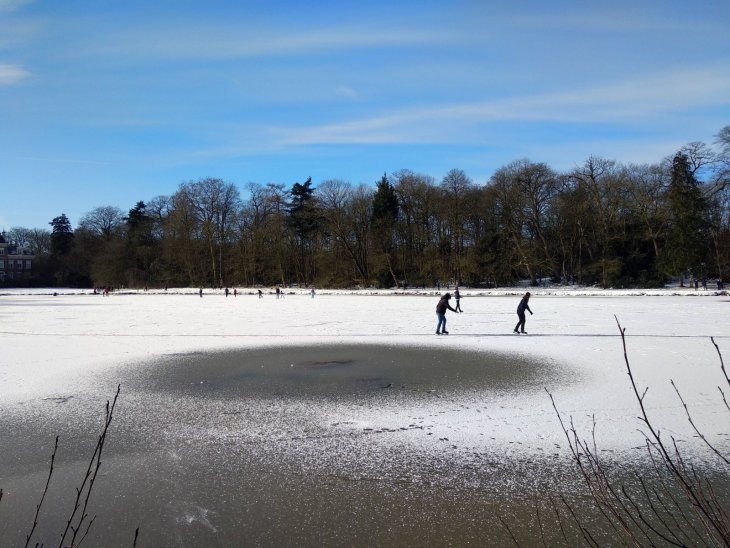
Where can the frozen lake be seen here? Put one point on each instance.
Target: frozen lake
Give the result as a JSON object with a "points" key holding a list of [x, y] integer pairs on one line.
{"points": [[336, 420]]}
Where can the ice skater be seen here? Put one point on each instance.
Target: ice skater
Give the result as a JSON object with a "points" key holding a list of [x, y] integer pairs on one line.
{"points": [[261, 294], [520, 327], [457, 296], [441, 308]]}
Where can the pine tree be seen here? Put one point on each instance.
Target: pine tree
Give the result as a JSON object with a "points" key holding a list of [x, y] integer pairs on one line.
{"points": [[304, 219], [62, 236], [383, 222], [687, 234]]}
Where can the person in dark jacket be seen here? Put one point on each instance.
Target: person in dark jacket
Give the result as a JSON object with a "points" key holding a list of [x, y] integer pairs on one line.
{"points": [[520, 327], [441, 308], [457, 296]]}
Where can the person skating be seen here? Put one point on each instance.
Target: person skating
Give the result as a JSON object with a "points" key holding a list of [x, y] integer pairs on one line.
{"points": [[520, 327], [441, 308], [457, 296]]}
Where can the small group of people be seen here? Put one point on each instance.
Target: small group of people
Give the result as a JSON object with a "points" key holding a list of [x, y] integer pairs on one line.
{"points": [[441, 308], [443, 305]]}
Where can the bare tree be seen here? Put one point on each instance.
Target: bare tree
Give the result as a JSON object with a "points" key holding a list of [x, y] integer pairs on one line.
{"points": [[646, 199], [605, 189], [214, 204], [347, 214], [455, 187], [524, 192], [105, 222]]}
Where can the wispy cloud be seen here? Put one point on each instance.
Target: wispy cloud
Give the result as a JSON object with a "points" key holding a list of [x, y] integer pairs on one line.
{"points": [[621, 102], [611, 20], [347, 91], [12, 5], [12, 74], [231, 42], [59, 160]]}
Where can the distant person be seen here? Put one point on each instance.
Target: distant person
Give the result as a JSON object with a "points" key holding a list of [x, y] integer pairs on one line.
{"points": [[520, 327], [278, 292], [261, 294], [457, 296], [200, 292], [312, 293], [235, 292], [226, 292], [441, 308]]}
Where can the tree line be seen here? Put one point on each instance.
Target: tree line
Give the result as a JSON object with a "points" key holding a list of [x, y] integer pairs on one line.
{"points": [[603, 223]]}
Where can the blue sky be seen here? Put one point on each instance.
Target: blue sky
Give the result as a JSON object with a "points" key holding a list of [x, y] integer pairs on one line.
{"points": [[106, 102]]}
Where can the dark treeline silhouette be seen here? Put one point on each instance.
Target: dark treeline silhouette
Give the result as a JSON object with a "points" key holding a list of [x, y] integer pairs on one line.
{"points": [[602, 223]]}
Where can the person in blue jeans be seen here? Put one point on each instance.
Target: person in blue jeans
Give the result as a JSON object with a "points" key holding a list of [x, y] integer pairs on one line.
{"points": [[441, 308]]}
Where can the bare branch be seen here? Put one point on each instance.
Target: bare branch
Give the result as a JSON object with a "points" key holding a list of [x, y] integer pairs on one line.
{"points": [[700, 434], [722, 363], [77, 518], [512, 536], [43, 496]]}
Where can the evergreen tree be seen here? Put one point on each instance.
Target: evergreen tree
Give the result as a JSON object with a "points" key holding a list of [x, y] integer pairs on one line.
{"points": [[383, 222], [140, 253], [385, 208], [686, 242], [69, 262], [302, 215], [62, 236], [304, 219]]}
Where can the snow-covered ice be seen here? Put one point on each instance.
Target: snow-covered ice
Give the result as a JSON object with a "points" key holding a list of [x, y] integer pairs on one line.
{"points": [[55, 346], [63, 356]]}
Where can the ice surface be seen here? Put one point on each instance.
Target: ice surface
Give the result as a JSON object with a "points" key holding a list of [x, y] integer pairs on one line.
{"points": [[202, 448], [58, 347]]}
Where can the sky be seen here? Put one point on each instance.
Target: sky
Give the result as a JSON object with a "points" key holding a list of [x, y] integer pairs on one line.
{"points": [[112, 102]]}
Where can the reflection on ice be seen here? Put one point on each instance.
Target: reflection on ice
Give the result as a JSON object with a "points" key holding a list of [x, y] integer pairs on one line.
{"points": [[326, 445]]}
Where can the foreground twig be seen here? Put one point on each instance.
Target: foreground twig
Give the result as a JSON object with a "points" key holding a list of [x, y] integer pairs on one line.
{"points": [[699, 434], [722, 362], [716, 525], [506, 526], [79, 517], [679, 507], [43, 496]]}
